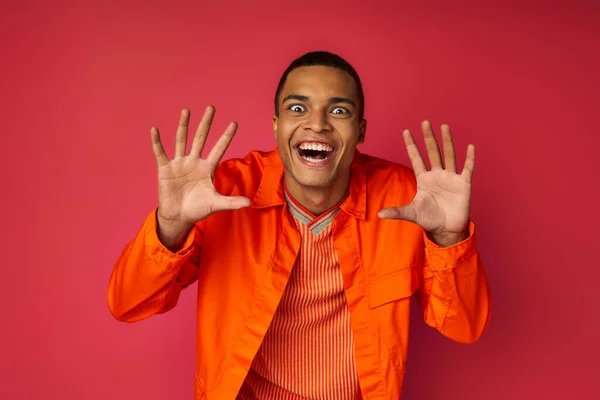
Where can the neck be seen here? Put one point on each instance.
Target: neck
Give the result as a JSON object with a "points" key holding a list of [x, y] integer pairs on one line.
{"points": [[317, 200]]}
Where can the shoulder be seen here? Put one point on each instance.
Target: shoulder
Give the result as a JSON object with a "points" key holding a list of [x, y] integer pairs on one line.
{"points": [[388, 183], [251, 163], [242, 175]]}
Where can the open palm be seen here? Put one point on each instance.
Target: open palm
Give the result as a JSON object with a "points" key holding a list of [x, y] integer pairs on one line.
{"points": [[186, 193], [442, 203]]}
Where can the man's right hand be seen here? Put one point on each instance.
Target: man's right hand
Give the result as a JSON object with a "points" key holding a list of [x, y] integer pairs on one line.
{"points": [[186, 193]]}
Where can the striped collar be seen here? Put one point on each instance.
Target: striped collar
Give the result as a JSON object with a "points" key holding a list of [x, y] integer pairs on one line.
{"points": [[316, 224]]}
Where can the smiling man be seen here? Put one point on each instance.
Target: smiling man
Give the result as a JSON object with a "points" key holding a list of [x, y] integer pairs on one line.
{"points": [[318, 123], [307, 256]]}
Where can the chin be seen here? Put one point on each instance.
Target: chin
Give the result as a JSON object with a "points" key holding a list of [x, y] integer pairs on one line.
{"points": [[313, 178], [313, 182]]}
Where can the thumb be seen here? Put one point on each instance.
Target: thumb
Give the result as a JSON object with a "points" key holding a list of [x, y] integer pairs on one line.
{"points": [[223, 203], [406, 213]]}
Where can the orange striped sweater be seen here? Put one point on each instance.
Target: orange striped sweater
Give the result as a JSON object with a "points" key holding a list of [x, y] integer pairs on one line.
{"points": [[308, 350]]}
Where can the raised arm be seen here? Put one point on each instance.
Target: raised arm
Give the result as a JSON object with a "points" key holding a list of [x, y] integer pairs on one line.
{"points": [[163, 257], [454, 295]]}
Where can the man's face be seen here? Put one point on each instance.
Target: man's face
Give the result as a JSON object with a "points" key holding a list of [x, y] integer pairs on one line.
{"points": [[318, 126]]}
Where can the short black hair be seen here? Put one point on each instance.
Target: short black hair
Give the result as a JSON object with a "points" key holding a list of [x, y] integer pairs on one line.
{"points": [[325, 59]]}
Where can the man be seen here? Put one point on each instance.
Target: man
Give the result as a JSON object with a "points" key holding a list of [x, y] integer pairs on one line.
{"points": [[306, 257]]}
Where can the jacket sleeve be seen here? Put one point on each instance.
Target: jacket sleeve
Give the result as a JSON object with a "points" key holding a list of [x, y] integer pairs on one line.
{"points": [[148, 278], [454, 294]]}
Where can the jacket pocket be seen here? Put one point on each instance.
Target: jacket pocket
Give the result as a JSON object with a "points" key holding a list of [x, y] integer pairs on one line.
{"points": [[395, 286]]}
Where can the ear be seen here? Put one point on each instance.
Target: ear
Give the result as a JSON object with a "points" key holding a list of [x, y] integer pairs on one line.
{"points": [[362, 131], [275, 121]]}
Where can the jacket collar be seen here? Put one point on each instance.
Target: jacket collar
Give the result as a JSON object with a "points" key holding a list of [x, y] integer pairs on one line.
{"points": [[270, 189]]}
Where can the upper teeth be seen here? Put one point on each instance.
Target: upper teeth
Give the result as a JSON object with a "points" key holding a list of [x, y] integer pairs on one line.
{"points": [[315, 146]]}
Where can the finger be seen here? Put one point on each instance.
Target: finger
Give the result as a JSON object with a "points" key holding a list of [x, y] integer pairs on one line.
{"points": [[223, 203], [182, 132], [433, 151], [449, 153], [405, 213], [413, 153], [222, 144], [157, 147], [469, 168], [202, 131]]}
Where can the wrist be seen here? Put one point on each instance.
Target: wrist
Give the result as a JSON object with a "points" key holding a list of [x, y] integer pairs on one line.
{"points": [[447, 239], [171, 233]]}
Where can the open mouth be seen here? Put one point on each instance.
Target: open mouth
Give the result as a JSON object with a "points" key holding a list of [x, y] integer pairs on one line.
{"points": [[314, 152]]}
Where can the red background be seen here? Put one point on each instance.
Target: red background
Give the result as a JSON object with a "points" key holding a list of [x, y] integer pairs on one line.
{"points": [[82, 85]]}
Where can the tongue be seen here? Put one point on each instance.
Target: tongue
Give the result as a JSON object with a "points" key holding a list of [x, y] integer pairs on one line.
{"points": [[315, 154]]}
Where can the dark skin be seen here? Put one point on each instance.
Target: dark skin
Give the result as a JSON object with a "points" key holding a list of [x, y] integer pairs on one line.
{"points": [[443, 201], [318, 104]]}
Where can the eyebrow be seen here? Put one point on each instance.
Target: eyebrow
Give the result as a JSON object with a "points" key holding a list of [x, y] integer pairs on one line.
{"points": [[331, 100]]}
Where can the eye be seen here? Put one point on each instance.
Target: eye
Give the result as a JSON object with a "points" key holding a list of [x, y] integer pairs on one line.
{"points": [[340, 110], [296, 108]]}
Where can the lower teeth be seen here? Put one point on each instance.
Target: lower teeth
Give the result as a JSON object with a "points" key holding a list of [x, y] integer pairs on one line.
{"points": [[307, 158]]}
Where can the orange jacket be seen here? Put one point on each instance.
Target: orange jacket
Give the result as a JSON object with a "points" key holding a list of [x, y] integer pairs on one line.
{"points": [[242, 260]]}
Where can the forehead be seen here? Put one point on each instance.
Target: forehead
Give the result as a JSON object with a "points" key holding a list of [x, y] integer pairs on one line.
{"points": [[316, 81]]}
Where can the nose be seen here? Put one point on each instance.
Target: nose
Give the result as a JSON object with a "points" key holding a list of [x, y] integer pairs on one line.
{"points": [[318, 122]]}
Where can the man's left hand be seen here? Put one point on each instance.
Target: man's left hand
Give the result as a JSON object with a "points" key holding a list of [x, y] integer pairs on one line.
{"points": [[443, 200]]}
